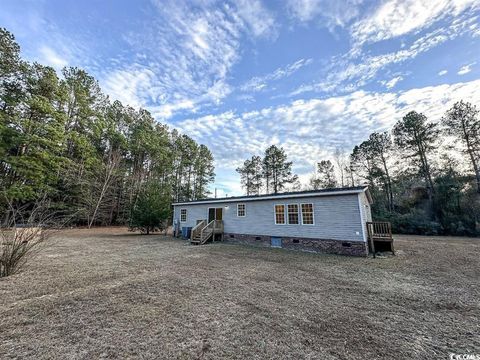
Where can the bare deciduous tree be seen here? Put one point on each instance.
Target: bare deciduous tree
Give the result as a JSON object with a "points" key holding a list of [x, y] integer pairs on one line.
{"points": [[340, 161], [26, 233], [110, 167]]}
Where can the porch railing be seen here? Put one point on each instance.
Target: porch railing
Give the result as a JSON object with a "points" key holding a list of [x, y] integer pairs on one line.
{"points": [[379, 231]]}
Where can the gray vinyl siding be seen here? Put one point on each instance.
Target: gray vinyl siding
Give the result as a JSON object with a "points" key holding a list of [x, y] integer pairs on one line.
{"points": [[336, 217]]}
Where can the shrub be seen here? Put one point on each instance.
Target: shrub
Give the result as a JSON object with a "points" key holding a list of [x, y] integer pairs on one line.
{"points": [[151, 210], [416, 222], [18, 243]]}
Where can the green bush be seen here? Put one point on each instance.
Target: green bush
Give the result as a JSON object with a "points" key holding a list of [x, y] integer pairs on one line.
{"points": [[151, 210], [416, 222]]}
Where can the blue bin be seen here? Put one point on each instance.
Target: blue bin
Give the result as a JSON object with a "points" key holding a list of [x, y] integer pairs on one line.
{"points": [[186, 231]]}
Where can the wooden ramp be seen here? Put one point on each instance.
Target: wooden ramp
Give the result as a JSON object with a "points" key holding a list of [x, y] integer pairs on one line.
{"points": [[380, 234]]}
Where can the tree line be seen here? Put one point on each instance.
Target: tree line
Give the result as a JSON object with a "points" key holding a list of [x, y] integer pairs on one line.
{"points": [[62, 139], [424, 176]]}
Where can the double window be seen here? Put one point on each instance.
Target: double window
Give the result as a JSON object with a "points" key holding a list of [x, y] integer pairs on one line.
{"points": [[241, 210], [183, 215], [290, 214]]}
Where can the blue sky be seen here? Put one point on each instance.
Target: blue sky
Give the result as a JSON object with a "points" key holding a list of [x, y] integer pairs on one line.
{"points": [[309, 75]]}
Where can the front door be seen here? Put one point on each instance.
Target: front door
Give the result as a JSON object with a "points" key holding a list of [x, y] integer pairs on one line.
{"points": [[215, 214]]}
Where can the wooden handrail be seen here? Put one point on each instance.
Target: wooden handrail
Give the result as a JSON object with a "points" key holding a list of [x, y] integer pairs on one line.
{"points": [[202, 231], [211, 225], [197, 227]]}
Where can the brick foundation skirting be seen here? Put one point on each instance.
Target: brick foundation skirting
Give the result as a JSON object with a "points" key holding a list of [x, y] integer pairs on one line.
{"points": [[354, 248]]}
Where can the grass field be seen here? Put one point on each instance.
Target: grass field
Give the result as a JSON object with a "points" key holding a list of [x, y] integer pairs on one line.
{"points": [[107, 293]]}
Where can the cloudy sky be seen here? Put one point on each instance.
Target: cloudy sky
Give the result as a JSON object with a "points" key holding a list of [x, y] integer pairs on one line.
{"points": [[308, 75]]}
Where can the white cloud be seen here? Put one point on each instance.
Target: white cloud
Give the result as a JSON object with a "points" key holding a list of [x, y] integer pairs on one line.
{"points": [[190, 52], [304, 10], [465, 69], [41, 39], [259, 19], [330, 13], [50, 57], [259, 83], [391, 83], [229, 185], [370, 23], [442, 72], [166, 111], [131, 87], [310, 130], [353, 70], [399, 17]]}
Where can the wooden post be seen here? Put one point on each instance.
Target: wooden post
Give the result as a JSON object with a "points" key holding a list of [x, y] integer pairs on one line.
{"points": [[370, 227]]}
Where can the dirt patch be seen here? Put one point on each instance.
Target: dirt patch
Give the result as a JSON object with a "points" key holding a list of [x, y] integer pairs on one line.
{"points": [[105, 293]]}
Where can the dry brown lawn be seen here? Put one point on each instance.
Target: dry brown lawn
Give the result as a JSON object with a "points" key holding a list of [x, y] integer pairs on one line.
{"points": [[107, 293]]}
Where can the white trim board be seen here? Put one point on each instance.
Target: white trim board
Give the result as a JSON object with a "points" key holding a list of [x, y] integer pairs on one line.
{"points": [[362, 220]]}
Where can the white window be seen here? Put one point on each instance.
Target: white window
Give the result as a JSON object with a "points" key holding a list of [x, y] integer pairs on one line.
{"points": [[241, 210], [279, 214], [183, 215], [307, 214], [292, 211]]}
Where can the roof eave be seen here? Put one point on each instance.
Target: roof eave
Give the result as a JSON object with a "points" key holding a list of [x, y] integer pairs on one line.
{"points": [[278, 196]]}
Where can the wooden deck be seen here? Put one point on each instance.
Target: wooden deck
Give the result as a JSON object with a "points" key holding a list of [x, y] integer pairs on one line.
{"points": [[380, 233]]}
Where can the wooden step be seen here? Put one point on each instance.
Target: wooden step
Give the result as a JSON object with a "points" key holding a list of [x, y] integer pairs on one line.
{"points": [[199, 240], [204, 235]]}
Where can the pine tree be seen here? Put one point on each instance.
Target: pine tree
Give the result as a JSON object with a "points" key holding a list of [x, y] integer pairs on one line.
{"points": [[151, 210], [362, 164], [246, 176], [370, 159], [257, 174], [463, 122], [251, 175], [417, 139], [204, 172], [277, 170], [325, 176], [91, 158], [32, 136]]}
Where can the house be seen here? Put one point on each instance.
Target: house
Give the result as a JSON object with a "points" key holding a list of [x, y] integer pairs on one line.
{"points": [[328, 220]]}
